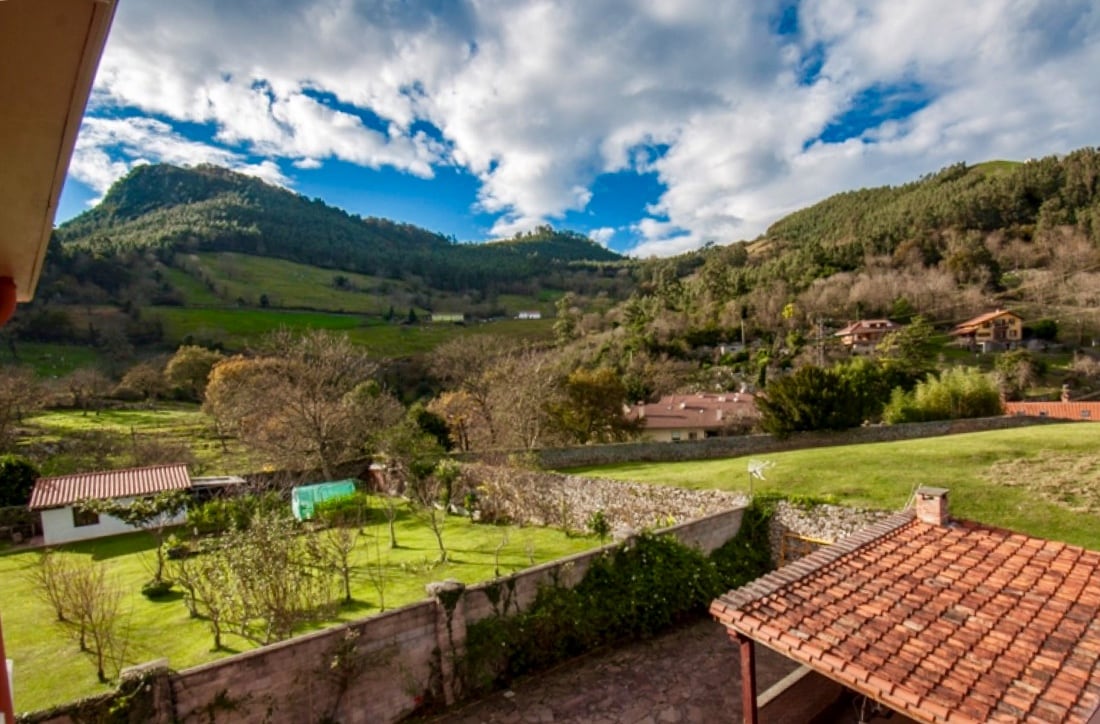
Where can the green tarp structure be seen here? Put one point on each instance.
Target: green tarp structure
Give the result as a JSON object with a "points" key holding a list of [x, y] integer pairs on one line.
{"points": [[304, 497]]}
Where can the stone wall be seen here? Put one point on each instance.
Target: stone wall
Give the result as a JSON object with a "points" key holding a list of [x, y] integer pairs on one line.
{"points": [[534, 497], [379, 669], [818, 522], [724, 447]]}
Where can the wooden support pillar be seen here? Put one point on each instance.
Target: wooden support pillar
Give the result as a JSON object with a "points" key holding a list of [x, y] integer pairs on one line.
{"points": [[749, 713]]}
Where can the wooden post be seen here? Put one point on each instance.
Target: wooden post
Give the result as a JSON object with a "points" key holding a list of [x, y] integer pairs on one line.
{"points": [[7, 707], [749, 714]]}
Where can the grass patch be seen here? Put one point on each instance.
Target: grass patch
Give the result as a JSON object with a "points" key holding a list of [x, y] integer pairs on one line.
{"points": [[51, 360], [49, 669], [1023, 479], [235, 329], [169, 423]]}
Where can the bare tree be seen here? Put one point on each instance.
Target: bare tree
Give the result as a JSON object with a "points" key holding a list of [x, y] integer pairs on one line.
{"points": [[87, 602], [376, 569], [301, 401], [50, 577], [19, 393]]}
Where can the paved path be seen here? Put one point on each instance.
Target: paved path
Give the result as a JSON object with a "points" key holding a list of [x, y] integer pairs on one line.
{"points": [[689, 675]]}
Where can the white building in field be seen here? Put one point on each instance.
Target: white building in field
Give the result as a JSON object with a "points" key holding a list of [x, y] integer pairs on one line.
{"points": [[62, 519], [529, 314]]}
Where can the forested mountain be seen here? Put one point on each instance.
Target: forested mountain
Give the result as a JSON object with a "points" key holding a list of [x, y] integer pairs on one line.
{"points": [[948, 246], [169, 210]]}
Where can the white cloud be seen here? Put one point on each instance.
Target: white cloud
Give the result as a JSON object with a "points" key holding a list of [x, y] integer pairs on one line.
{"points": [[602, 235], [538, 98], [107, 148]]}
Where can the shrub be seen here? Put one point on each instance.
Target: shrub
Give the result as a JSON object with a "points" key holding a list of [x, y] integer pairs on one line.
{"points": [[960, 392], [637, 590], [350, 510], [155, 590]]}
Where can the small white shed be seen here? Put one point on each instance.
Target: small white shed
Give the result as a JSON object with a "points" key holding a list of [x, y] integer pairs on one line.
{"points": [[63, 522]]}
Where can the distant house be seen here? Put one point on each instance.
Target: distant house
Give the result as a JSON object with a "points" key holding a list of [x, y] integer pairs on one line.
{"points": [[448, 318], [1064, 409], [864, 335], [57, 498], [1000, 329], [675, 418], [529, 315]]}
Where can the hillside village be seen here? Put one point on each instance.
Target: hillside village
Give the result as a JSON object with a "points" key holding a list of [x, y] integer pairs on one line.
{"points": [[267, 460]]}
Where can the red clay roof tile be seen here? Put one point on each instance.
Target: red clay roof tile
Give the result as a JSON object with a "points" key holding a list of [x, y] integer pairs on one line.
{"points": [[67, 489], [955, 623]]}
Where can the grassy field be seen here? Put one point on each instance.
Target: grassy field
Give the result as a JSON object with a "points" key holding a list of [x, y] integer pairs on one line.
{"points": [[169, 424], [1042, 480], [286, 284], [49, 668], [237, 328], [50, 360]]}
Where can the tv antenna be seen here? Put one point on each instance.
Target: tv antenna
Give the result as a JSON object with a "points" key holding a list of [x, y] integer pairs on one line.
{"points": [[756, 472]]}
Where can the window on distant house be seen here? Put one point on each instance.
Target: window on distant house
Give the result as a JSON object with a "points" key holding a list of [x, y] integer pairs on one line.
{"points": [[676, 437], [82, 518], [1086, 413], [1042, 413], [692, 435]]}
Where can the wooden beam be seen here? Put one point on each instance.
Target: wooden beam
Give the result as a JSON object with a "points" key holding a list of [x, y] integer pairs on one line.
{"points": [[749, 714]]}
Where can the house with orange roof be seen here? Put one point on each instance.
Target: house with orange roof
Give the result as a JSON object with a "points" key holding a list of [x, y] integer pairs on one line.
{"points": [[58, 499], [863, 336], [676, 418], [1000, 329], [1063, 409], [933, 618]]}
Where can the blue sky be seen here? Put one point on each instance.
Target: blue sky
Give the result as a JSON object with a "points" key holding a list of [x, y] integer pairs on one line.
{"points": [[655, 126]]}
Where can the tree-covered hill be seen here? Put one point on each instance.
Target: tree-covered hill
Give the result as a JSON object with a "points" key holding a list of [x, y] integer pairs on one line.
{"points": [[941, 215], [169, 210]]}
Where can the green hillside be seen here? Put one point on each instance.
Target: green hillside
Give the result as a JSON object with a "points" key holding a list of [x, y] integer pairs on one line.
{"points": [[167, 210]]}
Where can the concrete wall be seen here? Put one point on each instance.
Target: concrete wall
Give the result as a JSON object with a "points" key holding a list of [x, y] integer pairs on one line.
{"points": [[724, 447], [57, 526], [379, 669]]}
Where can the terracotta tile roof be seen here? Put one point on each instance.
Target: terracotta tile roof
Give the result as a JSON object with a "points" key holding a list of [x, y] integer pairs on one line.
{"points": [[971, 325], [68, 489], [957, 623], [700, 411], [1056, 410]]}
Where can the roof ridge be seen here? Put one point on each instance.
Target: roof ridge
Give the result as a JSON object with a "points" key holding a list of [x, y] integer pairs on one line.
{"points": [[803, 567], [113, 472]]}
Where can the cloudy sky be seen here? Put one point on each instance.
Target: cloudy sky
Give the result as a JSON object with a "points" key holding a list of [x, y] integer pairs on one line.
{"points": [[654, 126]]}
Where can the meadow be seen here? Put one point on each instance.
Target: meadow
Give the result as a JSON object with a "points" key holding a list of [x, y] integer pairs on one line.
{"points": [[65, 440], [1042, 480], [50, 669]]}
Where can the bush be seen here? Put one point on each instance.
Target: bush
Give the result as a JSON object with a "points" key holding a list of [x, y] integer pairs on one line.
{"points": [[960, 392], [17, 476], [155, 590], [222, 515], [349, 511], [637, 590]]}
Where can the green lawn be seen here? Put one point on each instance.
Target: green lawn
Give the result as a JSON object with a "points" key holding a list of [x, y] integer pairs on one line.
{"points": [[1042, 480], [236, 328], [168, 423], [50, 360], [49, 668]]}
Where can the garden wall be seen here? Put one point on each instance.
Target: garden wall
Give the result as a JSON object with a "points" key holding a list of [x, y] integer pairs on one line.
{"points": [[724, 447], [379, 669]]}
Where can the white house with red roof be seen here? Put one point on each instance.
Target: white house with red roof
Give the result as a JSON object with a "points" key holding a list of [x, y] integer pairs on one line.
{"points": [[58, 499], [675, 418]]}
